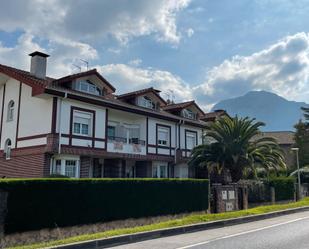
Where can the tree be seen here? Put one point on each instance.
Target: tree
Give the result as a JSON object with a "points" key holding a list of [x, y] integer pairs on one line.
{"points": [[233, 146], [306, 113], [302, 138]]}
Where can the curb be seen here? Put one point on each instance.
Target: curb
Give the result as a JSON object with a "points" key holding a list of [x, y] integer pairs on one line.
{"points": [[136, 237]]}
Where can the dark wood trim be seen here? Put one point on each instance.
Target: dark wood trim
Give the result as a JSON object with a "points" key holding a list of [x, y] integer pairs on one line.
{"points": [[170, 137], [106, 127], [160, 146], [71, 135], [32, 137], [146, 135], [80, 150], [54, 115], [93, 128], [120, 107], [83, 137], [2, 110], [18, 113]]}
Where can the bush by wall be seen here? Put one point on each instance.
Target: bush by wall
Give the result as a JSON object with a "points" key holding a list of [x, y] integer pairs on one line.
{"points": [[284, 187], [46, 203]]}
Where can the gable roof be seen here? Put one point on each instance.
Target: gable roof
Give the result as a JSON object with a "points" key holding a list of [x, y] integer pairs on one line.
{"points": [[180, 106], [39, 84], [25, 76], [141, 92], [83, 74], [212, 116]]}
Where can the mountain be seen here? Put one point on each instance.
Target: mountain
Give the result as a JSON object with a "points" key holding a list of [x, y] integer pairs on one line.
{"points": [[276, 112]]}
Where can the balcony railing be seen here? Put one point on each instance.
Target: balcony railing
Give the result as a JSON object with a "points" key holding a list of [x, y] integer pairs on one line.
{"points": [[125, 140]]}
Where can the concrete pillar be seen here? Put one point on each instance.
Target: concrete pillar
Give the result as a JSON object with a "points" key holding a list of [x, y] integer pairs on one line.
{"points": [[3, 211], [272, 195]]}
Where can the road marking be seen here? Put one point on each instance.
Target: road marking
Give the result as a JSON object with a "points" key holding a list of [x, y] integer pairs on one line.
{"points": [[242, 233]]}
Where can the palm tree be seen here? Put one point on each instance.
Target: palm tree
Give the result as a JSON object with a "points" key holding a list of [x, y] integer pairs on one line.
{"points": [[234, 145]]}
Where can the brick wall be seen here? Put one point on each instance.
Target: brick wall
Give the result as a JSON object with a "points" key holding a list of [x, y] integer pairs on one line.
{"points": [[23, 165]]}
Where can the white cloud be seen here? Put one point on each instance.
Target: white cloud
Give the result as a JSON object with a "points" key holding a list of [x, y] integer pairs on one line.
{"points": [[190, 32], [135, 62], [282, 68], [126, 78], [93, 19], [60, 63]]}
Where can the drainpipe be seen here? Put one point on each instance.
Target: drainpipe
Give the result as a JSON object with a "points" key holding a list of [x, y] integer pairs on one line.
{"points": [[59, 124], [177, 139]]}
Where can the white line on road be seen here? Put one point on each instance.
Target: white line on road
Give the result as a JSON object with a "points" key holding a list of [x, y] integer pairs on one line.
{"points": [[238, 234]]}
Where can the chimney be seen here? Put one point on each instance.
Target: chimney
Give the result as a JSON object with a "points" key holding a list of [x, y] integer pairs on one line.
{"points": [[38, 64]]}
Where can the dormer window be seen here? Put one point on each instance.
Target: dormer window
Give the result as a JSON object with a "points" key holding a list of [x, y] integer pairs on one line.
{"points": [[88, 87], [188, 114], [145, 101]]}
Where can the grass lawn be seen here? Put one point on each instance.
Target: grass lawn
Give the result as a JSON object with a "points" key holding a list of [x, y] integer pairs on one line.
{"points": [[187, 220]]}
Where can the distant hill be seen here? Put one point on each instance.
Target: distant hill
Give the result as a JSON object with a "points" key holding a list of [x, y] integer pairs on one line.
{"points": [[278, 113]]}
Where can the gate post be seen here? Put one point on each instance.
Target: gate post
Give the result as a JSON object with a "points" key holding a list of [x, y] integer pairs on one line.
{"points": [[3, 211]]}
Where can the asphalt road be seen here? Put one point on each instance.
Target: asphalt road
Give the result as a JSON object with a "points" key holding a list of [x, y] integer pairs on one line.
{"points": [[285, 232]]}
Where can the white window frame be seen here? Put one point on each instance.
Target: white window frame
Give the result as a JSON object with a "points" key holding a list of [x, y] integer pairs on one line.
{"points": [[91, 88], [82, 116], [8, 148], [156, 170], [161, 141], [191, 135], [189, 114], [146, 102], [10, 111], [63, 166]]}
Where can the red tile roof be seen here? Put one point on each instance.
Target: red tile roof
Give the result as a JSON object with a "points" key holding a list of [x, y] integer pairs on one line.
{"points": [[140, 92], [212, 116], [82, 74], [180, 106], [25, 76]]}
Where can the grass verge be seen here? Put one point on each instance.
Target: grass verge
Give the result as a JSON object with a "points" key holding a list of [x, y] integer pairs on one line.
{"points": [[188, 220]]}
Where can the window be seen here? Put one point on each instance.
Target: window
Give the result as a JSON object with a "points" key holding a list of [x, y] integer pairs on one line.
{"points": [[7, 149], [126, 133], [163, 136], [58, 167], [82, 123], [10, 111], [159, 171], [191, 140], [111, 132], [67, 167], [70, 168], [189, 114], [146, 102], [88, 87]]}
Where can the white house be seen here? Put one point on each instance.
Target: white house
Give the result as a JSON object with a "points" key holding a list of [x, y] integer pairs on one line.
{"points": [[77, 126]]}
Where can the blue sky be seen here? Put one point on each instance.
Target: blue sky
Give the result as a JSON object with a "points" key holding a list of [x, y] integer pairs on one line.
{"points": [[206, 50]]}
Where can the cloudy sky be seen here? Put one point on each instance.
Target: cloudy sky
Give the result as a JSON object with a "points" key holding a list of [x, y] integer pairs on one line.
{"points": [[206, 50]]}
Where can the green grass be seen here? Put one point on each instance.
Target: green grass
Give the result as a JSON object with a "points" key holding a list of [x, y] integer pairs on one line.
{"points": [[187, 220]]}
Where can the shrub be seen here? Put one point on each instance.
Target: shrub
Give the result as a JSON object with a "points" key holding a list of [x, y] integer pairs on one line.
{"points": [[284, 187], [46, 203]]}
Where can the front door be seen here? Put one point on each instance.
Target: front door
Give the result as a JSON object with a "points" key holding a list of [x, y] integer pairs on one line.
{"points": [[97, 168]]}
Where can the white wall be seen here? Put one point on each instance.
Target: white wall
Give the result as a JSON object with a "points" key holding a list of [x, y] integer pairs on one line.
{"points": [[35, 114], [100, 113], [9, 128]]}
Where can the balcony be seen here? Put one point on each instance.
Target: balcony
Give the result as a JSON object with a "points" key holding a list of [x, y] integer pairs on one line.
{"points": [[126, 145]]}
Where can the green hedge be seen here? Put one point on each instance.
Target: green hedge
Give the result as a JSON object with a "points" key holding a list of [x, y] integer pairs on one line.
{"points": [[47, 203], [284, 187]]}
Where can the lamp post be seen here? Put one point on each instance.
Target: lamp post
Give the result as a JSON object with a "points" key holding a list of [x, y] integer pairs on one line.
{"points": [[298, 172]]}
